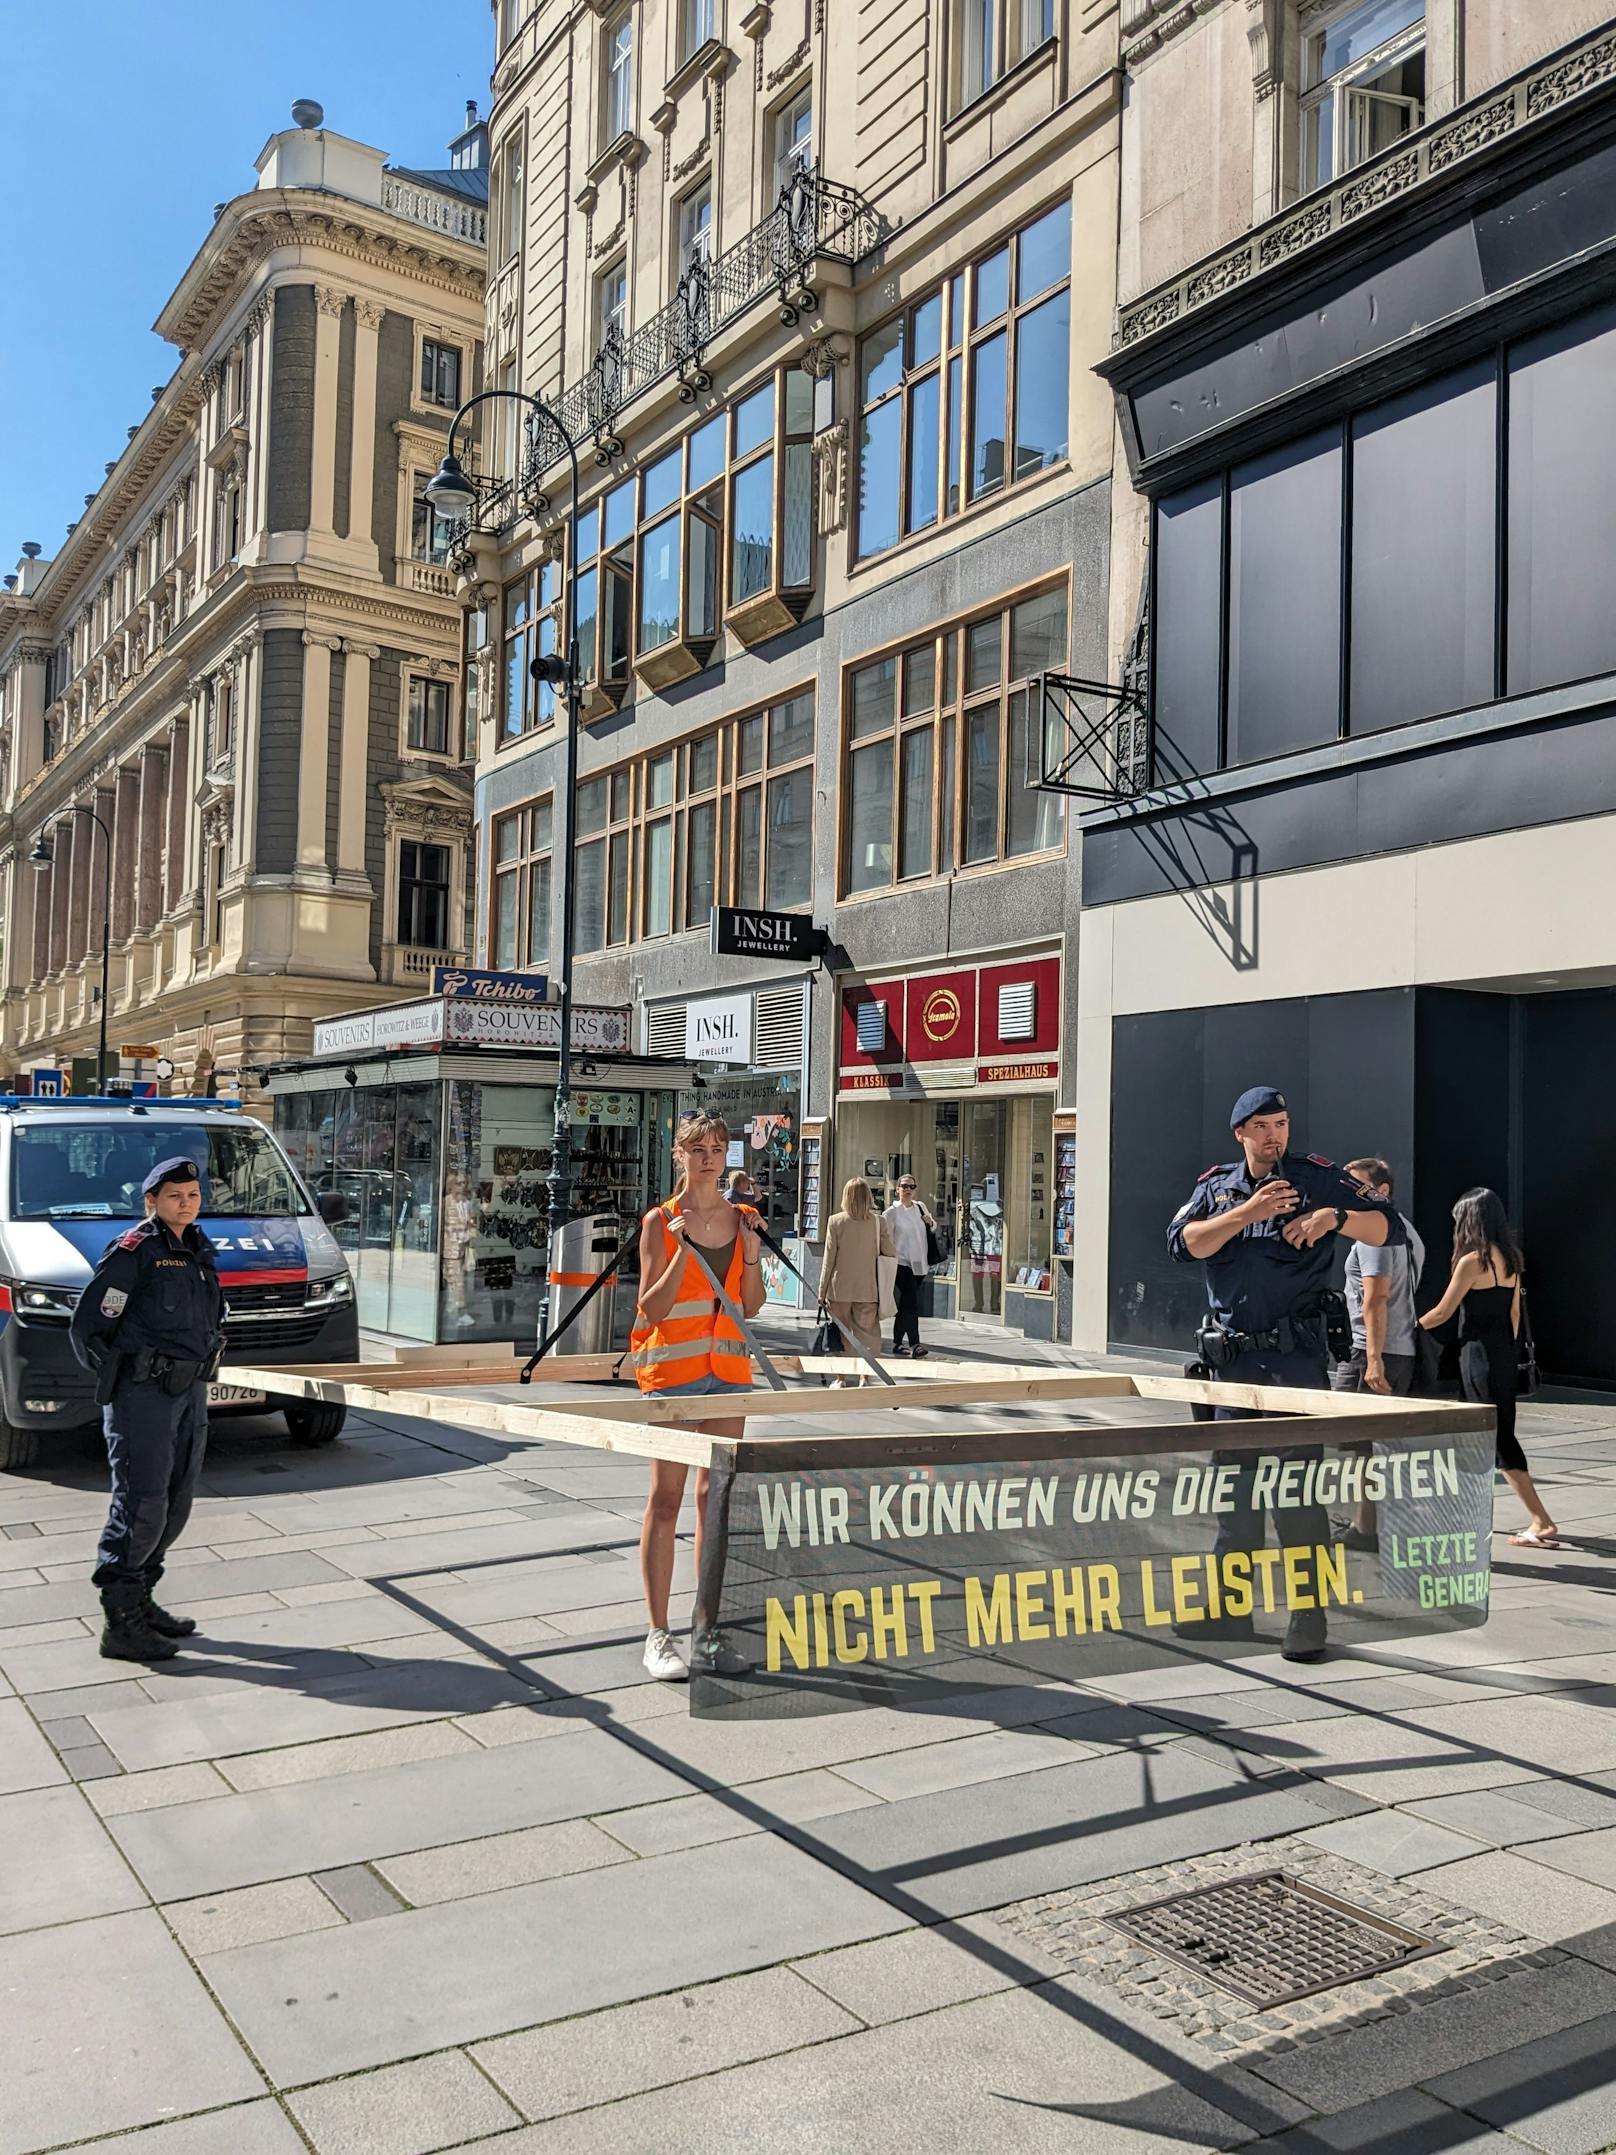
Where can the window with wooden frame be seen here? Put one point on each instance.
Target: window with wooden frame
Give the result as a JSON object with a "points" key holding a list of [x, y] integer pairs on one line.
{"points": [[530, 632], [519, 915], [941, 749], [993, 36], [601, 859], [509, 197], [427, 713], [771, 502], [617, 78], [423, 895], [656, 586], [440, 373], [967, 391]]}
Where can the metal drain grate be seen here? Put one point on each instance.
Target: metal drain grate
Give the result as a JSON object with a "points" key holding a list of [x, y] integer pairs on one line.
{"points": [[1271, 1938]]}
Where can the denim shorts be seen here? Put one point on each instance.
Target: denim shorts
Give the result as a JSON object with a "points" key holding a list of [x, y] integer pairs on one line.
{"points": [[698, 1388]]}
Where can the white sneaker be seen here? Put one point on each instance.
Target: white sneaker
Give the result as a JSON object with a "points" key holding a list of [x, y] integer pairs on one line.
{"points": [[663, 1659]]}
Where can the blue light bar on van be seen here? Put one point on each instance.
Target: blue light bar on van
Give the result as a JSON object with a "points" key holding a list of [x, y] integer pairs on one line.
{"points": [[9, 1100]]}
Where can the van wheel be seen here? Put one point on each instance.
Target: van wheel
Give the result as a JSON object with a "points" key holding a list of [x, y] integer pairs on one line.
{"points": [[314, 1422], [18, 1447]]}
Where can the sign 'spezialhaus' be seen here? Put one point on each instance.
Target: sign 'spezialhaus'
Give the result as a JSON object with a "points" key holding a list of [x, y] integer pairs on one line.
{"points": [[741, 932]]}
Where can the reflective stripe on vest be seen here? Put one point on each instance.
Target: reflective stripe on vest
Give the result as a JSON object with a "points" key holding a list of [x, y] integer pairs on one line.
{"points": [[695, 1339]]}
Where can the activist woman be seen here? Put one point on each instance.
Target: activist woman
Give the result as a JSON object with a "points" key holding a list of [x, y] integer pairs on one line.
{"points": [[685, 1345]]}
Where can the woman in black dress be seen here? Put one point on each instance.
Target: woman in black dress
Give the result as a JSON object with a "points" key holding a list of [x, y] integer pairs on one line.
{"points": [[1486, 1291]]}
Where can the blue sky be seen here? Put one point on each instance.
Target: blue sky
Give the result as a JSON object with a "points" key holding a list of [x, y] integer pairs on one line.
{"points": [[126, 121]]}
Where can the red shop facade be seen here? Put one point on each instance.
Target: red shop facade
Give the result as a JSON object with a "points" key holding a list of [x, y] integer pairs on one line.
{"points": [[952, 1074]]}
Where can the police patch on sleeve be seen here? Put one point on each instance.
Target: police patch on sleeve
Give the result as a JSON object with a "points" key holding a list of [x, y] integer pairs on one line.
{"points": [[114, 1302]]}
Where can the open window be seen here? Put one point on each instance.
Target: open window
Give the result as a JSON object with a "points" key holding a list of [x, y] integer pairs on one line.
{"points": [[1363, 84]]}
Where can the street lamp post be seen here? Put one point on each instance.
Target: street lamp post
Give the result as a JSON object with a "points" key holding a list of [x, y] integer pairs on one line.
{"points": [[42, 858], [453, 491]]}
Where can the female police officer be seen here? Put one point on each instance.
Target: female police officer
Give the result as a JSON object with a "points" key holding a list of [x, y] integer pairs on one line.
{"points": [[149, 1327]]}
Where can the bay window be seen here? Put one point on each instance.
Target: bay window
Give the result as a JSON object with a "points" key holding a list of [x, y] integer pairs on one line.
{"points": [[967, 391], [909, 812]]}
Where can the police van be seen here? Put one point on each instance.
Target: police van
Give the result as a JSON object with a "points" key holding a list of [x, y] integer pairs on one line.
{"points": [[70, 1177]]}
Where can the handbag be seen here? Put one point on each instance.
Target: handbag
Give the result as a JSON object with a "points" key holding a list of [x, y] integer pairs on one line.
{"points": [[827, 1334], [1526, 1376], [935, 1254], [886, 1285]]}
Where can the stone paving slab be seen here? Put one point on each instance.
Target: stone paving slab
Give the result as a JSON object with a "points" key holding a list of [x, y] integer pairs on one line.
{"points": [[26, 1759], [1387, 1841], [1408, 2123], [411, 2109], [219, 1921], [261, 2128], [265, 1718], [627, 2049], [1339, 2072], [917, 1971], [106, 2027], [378, 1992], [58, 1865], [967, 1760], [1510, 1816], [1584, 1855], [968, 1849], [500, 1860], [278, 1832], [797, 1799], [1021, 2072], [344, 1755], [1536, 1898], [151, 1791], [1558, 2093]]}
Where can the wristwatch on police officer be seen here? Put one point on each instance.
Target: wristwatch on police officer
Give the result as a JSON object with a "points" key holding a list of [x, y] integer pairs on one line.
{"points": [[1340, 1218]]}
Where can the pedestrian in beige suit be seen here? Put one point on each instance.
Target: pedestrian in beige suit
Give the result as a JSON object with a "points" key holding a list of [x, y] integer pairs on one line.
{"points": [[850, 1276]]}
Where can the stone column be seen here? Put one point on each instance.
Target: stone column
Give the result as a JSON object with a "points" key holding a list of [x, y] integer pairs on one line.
{"points": [[153, 789], [313, 770], [191, 846], [368, 315], [207, 383], [323, 473], [263, 320], [43, 880], [125, 842], [356, 664], [179, 758], [78, 904], [61, 890], [246, 755]]}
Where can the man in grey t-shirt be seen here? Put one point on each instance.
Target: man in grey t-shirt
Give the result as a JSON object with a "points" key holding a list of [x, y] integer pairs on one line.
{"points": [[1380, 1299]]}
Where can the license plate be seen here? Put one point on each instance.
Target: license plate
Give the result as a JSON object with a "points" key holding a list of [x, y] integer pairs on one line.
{"points": [[233, 1395]]}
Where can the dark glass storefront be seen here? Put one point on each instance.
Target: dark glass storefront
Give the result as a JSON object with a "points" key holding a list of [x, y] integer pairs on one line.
{"points": [[443, 1183]]}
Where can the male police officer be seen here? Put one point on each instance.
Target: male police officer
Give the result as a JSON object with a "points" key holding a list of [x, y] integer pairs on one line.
{"points": [[1262, 1227], [149, 1327]]}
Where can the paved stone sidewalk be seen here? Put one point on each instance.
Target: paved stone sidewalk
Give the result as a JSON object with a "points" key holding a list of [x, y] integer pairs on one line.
{"points": [[404, 1854]]}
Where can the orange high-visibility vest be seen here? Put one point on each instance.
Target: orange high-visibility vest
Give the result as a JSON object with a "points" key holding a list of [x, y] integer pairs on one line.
{"points": [[697, 1338]]}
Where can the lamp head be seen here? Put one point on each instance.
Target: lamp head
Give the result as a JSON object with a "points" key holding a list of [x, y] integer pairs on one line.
{"points": [[450, 490], [41, 857]]}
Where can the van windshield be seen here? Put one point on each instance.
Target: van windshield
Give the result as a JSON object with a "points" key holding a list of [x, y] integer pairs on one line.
{"points": [[93, 1171]]}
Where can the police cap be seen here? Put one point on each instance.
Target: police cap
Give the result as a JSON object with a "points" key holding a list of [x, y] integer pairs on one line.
{"points": [[1257, 1100], [181, 1170]]}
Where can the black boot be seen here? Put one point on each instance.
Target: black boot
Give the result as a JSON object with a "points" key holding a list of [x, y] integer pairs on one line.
{"points": [[166, 1626], [1306, 1636], [126, 1635]]}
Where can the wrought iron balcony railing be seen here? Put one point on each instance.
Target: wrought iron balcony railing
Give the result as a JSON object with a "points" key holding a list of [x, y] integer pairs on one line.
{"points": [[815, 220]]}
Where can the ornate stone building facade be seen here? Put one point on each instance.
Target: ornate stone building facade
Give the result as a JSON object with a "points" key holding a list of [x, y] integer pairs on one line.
{"points": [[244, 658], [818, 290]]}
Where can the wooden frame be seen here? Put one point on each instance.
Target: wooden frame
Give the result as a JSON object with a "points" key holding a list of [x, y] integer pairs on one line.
{"points": [[618, 1418]]}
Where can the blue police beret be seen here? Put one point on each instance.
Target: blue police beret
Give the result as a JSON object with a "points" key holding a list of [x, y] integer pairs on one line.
{"points": [[169, 1171], [1259, 1100]]}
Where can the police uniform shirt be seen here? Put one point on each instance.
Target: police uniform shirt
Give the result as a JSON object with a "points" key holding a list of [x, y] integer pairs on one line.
{"points": [[153, 1289], [1258, 1277]]}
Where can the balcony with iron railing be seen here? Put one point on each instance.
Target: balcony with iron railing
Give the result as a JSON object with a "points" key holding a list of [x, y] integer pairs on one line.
{"points": [[451, 215], [814, 221]]}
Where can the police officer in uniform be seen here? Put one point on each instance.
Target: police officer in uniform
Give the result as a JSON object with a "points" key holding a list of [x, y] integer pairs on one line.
{"points": [[150, 1329], [1263, 1227]]}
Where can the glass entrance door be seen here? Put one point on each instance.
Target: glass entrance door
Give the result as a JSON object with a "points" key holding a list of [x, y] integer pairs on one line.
{"points": [[982, 1197]]}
